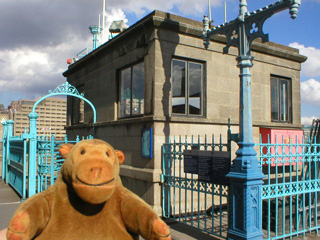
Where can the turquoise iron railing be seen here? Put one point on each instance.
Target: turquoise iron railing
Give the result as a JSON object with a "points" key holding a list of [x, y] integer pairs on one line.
{"points": [[290, 193], [43, 166], [49, 160], [16, 164], [186, 199], [14, 159]]}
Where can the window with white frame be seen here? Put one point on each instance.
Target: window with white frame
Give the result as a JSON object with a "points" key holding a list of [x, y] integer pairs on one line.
{"points": [[281, 103], [187, 87], [132, 91]]}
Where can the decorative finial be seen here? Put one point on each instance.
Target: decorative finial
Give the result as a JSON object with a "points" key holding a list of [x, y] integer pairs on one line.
{"points": [[294, 8], [206, 40], [243, 9]]}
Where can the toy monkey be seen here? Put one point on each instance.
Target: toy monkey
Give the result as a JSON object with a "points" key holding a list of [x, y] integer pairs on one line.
{"points": [[87, 201]]}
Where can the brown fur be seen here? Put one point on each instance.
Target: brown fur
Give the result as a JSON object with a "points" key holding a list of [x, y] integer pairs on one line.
{"points": [[87, 201]]}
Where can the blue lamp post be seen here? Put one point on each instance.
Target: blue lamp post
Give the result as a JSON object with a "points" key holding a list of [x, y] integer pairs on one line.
{"points": [[245, 219]]}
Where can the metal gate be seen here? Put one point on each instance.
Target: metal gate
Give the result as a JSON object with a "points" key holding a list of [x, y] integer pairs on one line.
{"points": [[49, 159], [186, 199], [290, 194], [17, 160], [34, 169], [15, 169]]}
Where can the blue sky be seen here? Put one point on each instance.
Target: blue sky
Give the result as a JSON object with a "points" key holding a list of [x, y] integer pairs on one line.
{"points": [[38, 36]]}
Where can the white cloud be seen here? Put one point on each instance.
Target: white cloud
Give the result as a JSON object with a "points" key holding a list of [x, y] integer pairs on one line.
{"points": [[141, 7], [310, 90], [307, 121], [196, 8], [311, 68], [22, 67], [37, 70], [35, 60], [115, 14], [111, 14], [184, 7]]}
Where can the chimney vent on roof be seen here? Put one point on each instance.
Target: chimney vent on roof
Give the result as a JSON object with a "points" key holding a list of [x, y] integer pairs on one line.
{"points": [[95, 32]]}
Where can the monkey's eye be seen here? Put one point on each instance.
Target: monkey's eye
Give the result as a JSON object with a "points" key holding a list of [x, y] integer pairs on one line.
{"points": [[107, 154], [83, 151]]}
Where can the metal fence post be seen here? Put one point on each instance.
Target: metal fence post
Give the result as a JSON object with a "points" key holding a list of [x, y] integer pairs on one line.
{"points": [[32, 154], [4, 150], [52, 161], [9, 135], [9, 128]]}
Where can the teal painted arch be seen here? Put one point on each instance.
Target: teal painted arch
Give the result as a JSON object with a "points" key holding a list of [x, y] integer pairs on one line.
{"points": [[67, 89]]}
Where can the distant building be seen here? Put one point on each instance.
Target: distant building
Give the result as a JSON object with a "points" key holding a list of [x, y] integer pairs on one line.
{"points": [[157, 75], [51, 120], [4, 116]]}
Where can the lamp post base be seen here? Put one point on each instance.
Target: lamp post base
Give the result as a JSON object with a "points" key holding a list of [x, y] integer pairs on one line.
{"points": [[245, 222], [245, 219]]}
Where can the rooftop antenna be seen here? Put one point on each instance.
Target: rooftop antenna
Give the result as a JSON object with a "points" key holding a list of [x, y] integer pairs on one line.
{"points": [[103, 20], [99, 35], [209, 8], [225, 11]]}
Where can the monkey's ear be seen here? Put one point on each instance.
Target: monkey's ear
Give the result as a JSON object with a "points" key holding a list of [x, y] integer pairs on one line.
{"points": [[120, 156], [65, 149]]}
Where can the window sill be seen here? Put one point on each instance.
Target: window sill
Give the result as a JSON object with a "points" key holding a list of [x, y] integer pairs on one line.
{"points": [[183, 119]]}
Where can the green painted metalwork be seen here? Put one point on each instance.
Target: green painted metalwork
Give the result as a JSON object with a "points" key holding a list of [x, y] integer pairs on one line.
{"points": [[4, 146], [245, 175], [49, 159], [32, 172], [290, 193], [43, 161], [95, 30], [14, 158], [187, 200], [84, 52], [67, 89], [16, 166]]}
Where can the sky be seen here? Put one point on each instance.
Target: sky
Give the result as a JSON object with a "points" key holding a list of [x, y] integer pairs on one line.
{"points": [[38, 36]]}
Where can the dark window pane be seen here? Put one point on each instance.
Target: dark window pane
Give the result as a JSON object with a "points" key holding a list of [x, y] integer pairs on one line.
{"points": [[280, 99], [195, 88], [132, 91], [178, 87], [138, 89], [75, 111], [125, 93], [284, 100], [274, 99]]}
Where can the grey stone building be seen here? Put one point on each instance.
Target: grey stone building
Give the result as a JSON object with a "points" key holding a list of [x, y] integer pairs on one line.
{"points": [[157, 75]]}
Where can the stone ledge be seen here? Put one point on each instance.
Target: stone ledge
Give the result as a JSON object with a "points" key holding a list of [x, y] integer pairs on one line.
{"points": [[181, 119], [144, 174]]}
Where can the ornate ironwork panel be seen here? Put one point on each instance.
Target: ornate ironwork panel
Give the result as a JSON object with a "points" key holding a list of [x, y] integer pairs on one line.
{"points": [[290, 193], [49, 159], [188, 200]]}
